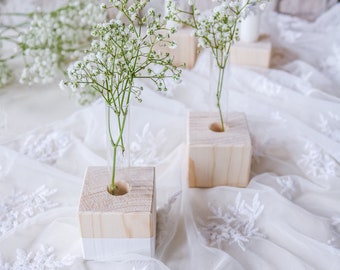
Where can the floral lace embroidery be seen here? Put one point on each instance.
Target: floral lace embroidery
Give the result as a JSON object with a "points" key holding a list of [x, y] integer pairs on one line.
{"points": [[278, 116], [316, 162], [43, 258], [269, 88], [18, 207], [46, 147], [144, 150], [163, 221], [237, 224], [288, 186], [327, 123]]}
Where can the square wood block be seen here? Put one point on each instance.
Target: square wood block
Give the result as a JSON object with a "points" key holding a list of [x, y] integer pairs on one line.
{"points": [[186, 49], [114, 225], [218, 158], [257, 54]]}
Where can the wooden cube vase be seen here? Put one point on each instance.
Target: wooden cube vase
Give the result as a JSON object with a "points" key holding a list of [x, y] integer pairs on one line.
{"points": [[114, 225], [256, 54], [218, 158], [185, 52]]}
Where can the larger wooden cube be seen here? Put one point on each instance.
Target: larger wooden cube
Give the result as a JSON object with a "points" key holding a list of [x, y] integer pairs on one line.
{"points": [[114, 225], [218, 158]]}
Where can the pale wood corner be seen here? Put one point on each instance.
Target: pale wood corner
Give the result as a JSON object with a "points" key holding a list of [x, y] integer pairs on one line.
{"points": [[185, 53], [218, 158], [257, 54]]}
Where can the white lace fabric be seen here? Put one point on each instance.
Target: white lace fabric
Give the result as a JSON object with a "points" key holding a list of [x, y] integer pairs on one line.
{"points": [[19, 207], [236, 224], [287, 218], [43, 258]]}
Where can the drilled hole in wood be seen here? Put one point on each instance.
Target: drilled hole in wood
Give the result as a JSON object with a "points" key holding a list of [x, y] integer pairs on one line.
{"points": [[121, 189], [217, 127]]}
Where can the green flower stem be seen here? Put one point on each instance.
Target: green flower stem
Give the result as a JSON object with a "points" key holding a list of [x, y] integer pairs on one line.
{"points": [[115, 146], [9, 57], [10, 39], [17, 14], [221, 69], [218, 95], [31, 14], [123, 103], [4, 28], [121, 115], [119, 142]]}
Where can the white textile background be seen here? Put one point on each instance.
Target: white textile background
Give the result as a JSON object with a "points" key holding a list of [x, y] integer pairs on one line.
{"points": [[287, 218]]}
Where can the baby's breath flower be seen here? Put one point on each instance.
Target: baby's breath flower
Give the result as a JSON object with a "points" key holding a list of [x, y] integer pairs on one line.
{"points": [[216, 29], [55, 38], [120, 56], [172, 45]]}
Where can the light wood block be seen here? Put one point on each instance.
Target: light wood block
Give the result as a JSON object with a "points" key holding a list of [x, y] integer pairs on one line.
{"points": [[218, 158], [112, 225], [185, 52], [256, 54]]}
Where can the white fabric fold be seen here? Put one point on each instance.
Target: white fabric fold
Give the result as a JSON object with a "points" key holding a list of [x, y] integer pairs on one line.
{"points": [[287, 218]]}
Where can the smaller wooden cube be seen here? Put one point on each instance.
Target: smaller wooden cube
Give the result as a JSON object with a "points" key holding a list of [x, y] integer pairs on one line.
{"points": [[218, 158], [114, 225], [185, 52], [256, 54]]}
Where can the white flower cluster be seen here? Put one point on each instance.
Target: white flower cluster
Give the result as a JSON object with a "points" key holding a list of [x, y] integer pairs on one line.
{"points": [[122, 52], [55, 38]]}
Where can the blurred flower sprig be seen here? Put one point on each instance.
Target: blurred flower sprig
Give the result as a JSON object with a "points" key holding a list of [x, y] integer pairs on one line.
{"points": [[46, 42]]}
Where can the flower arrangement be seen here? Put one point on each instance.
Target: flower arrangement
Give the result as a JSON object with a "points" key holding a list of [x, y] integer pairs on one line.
{"points": [[216, 29], [48, 41], [123, 52]]}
